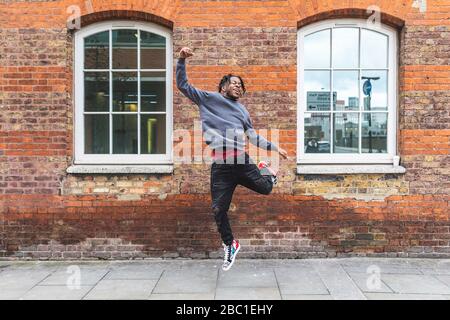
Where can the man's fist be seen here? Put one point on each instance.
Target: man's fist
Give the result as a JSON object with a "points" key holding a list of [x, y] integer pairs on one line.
{"points": [[186, 53], [283, 153]]}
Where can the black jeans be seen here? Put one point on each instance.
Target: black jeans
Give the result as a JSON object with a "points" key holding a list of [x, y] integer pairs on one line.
{"points": [[224, 180]]}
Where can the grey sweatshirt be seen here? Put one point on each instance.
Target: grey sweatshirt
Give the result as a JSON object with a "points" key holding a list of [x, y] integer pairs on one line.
{"points": [[225, 122]]}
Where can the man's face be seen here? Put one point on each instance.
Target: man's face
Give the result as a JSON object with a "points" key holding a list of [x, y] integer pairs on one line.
{"points": [[234, 89]]}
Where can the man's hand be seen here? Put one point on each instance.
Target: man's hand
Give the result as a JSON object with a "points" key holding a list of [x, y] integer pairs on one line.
{"points": [[186, 53], [283, 153]]}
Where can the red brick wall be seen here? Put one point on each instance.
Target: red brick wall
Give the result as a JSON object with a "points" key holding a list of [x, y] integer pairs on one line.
{"points": [[47, 213]]}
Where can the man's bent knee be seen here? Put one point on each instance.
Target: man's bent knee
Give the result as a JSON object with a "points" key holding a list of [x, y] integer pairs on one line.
{"points": [[266, 186]]}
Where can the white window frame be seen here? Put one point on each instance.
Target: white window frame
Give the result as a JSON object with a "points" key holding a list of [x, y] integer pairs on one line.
{"points": [[359, 158], [120, 159]]}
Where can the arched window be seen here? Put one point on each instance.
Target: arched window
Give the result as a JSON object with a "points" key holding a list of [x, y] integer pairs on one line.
{"points": [[123, 94], [347, 93]]}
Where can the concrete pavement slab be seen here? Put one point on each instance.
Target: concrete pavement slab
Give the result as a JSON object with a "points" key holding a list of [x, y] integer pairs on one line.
{"points": [[15, 283], [134, 272], [444, 278], [187, 281], [404, 296], [366, 282], [337, 281], [182, 296], [56, 293], [300, 281], [89, 275], [248, 279], [245, 293], [243, 276], [415, 284], [306, 297], [435, 271], [122, 290]]}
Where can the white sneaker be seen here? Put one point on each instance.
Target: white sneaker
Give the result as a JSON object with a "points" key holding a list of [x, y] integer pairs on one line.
{"points": [[230, 254]]}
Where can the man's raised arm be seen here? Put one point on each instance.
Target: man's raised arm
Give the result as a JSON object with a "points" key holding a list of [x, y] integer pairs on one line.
{"points": [[183, 85]]}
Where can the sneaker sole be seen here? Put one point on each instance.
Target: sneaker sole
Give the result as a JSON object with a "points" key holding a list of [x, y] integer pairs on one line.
{"points": [[232, 261]]}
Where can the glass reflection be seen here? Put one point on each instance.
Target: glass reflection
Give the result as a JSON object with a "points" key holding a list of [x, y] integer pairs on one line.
{"points": [[153, 51], [317, 89], [345, 48], [374, 90], [96, 51], [317, 133], [374, 133], [346, 133], [317, 49], [124, 49], [374, 49], [346, 87]]}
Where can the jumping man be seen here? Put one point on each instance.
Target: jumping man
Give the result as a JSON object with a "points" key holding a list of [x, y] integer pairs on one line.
{"points": [[225, 123]]}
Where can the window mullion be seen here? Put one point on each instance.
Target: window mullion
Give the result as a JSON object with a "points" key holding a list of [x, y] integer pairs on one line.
{"points": [[359, 94], [110, 94], [139, 92], [331, 93]]}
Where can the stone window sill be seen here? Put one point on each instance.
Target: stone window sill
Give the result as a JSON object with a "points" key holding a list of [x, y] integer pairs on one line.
{"points": [[349, 169], [124, 169]]}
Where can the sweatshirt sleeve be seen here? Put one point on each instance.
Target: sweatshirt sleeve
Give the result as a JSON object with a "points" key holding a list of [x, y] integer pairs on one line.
{"points": [[256, 139], [183, 85]]}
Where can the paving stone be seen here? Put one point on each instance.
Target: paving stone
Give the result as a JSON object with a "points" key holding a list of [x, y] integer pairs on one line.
{"points": [[444, 278], [182, 296], [56, 293], [245, 293], [88, 275], [367, 284], [293, 281], [121, 289], [337, 280], [416, 284], [194, 281], [244, 277], [132, 272], [307, 297], [394, 296]]}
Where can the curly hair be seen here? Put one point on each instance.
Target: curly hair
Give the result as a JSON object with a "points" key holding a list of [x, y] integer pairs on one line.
{"points": [[226, 80]]}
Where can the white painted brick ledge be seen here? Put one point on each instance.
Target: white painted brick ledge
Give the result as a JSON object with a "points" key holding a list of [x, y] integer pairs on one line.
{"points": [[87, 169], [348, 169]]}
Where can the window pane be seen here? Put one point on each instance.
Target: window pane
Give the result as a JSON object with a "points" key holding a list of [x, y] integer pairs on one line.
{"points": [[96, 134], [317, 49], [96, 51], [124, 49], [96, 91], [346, 84], [374, 133], [153, 51], [374, 46], [374, 92], [153, 91], [125, 134], [346, 135], [317, 89], [125, 91], [153, 134], [317, 133], [345, 48]]}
